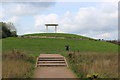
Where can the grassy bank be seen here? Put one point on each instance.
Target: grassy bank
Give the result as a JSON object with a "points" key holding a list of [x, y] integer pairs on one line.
{"points": [[104, 64], [58, 35], [17, 64], [44, 45]]}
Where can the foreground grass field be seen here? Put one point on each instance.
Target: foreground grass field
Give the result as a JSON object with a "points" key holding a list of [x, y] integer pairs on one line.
{"points": [[30, 48]]}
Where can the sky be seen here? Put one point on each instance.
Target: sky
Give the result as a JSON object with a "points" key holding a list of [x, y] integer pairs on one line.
{"points": [[92, 19]]}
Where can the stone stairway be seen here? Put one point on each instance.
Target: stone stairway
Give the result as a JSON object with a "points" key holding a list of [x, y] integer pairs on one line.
{"points": [[50, 60]]}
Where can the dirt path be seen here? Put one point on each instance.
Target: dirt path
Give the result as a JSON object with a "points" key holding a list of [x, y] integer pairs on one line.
{"points": [[52, 66], [53, 72], [56, 37]]}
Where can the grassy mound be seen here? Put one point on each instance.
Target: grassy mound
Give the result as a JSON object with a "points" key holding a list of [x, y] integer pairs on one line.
{"points": [[93, 56], [58, 35]]}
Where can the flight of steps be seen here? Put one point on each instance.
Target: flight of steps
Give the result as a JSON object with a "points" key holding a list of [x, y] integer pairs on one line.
{"points": [[50, 60]]}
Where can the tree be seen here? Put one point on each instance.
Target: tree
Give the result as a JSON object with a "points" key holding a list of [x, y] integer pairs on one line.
{"points": [[6, 30]]}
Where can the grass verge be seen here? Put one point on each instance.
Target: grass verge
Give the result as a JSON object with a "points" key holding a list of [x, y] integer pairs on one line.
{"points": [[104, 64], [17, 64]]}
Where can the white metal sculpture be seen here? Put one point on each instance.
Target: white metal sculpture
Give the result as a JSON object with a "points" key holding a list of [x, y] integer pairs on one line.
{"points": [[55, 25]]}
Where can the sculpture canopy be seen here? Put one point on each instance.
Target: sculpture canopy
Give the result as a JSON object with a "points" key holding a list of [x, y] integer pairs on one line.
{"points": [[51, 24], [55, 25]]}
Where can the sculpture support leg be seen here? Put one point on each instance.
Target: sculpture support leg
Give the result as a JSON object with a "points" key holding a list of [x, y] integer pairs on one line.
{"points": [[55, 29], [46, 29]]}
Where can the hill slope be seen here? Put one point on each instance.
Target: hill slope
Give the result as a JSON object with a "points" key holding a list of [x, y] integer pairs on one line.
{"points": [[56, 45], [58, 35]]}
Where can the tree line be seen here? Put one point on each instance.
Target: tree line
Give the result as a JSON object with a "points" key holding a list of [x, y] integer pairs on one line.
{"points": [[7, 30]]}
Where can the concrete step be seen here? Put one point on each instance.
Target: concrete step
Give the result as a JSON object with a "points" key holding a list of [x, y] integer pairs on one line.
{"points": [[42, 65], [50, 59], [51, 62]]}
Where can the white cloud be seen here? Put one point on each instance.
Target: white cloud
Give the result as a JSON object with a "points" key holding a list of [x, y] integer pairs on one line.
{"points": [[104, 35], [90, 21], [17, 9], [101, 35], [25, 8], [41, 20], [14, 19], [2, 15], [59, 1], [16, 12], [1, 11]]}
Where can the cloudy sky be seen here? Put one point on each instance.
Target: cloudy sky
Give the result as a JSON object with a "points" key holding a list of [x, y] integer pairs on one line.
{"points": [[92, 19]]}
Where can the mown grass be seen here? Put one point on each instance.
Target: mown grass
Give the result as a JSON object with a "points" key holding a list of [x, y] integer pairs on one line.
{"points": [[38, 45], [58, 35], [17, 64], [104, 64]]}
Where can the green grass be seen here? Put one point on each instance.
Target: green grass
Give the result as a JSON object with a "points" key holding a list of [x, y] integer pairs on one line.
{"points": [[38, 45], [58, 35]]}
